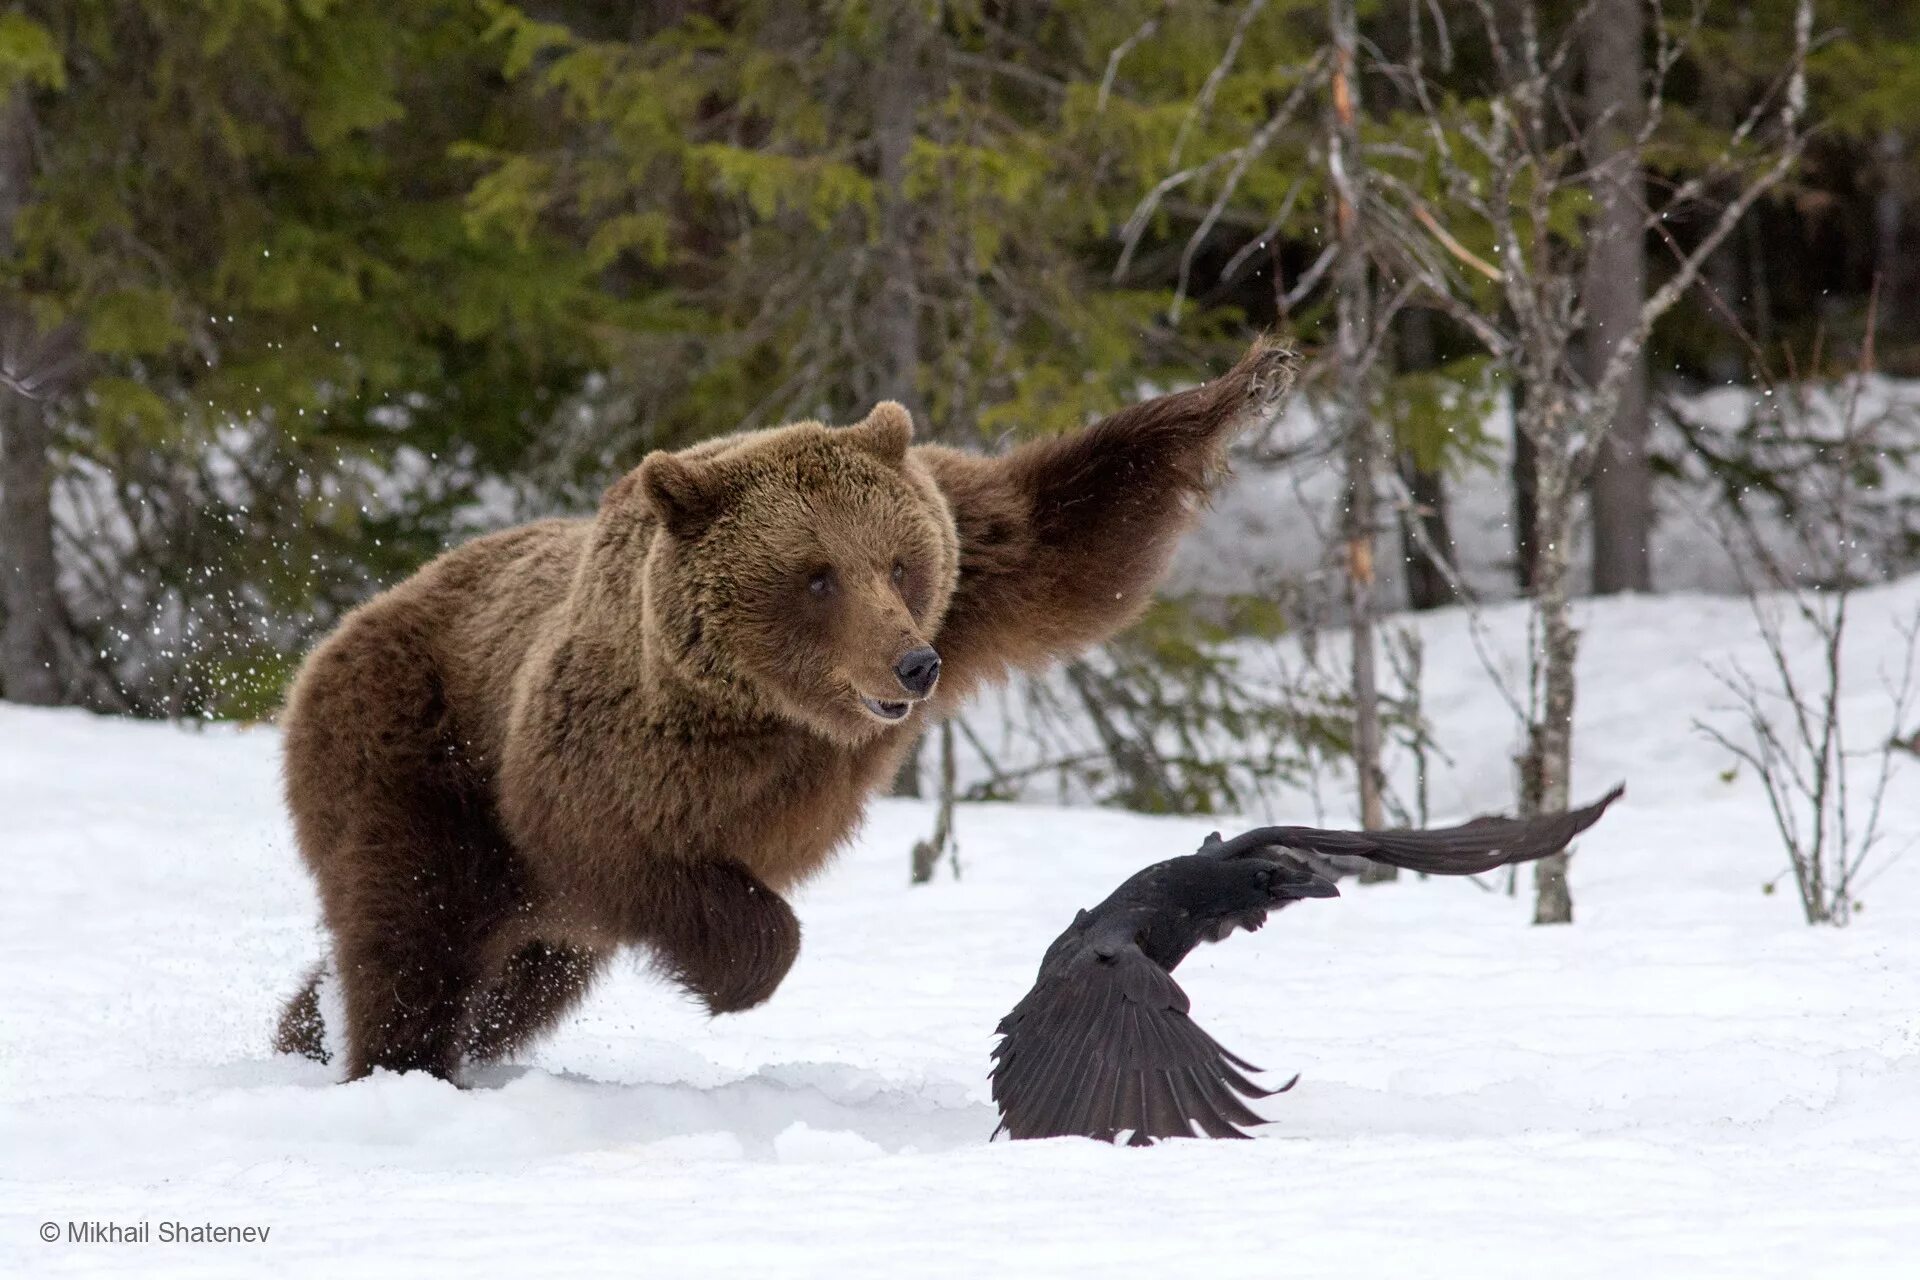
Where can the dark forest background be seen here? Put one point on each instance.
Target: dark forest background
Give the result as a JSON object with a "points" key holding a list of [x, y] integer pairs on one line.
{"points": [[293, 293]]}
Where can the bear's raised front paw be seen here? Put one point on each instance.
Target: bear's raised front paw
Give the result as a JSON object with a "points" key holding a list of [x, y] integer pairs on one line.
{"points": [[734, 944], [1270, 369], [756, 965]]}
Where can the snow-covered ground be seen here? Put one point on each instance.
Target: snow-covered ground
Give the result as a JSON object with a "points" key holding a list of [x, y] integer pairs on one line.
{"points": [[1689, 1082]]}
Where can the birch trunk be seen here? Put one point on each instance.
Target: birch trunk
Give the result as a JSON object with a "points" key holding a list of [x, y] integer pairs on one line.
{"points": [[1547, 763], [1354, 322]]}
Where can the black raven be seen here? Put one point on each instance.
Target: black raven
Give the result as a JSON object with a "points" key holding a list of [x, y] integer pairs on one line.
{"points": [[1102, 1043]]}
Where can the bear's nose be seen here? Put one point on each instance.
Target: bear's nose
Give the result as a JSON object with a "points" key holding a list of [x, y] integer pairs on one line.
{"points": [[917, 670]]}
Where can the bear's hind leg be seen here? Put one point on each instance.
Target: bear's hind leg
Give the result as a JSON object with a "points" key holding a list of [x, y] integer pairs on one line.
{"points": [[540, 982], [406, 1000], [391, 807], [421, 940]]}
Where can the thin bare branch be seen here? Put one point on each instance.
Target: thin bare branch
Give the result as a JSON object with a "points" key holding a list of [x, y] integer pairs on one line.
{"points": [[1143, 32], [1203, 101]]}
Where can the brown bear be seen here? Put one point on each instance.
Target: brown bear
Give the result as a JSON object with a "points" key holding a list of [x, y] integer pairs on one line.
{"points": [[639, 729]]}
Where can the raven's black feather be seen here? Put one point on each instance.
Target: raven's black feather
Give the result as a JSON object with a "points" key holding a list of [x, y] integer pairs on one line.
{"points": [[1468, 849], [1103, 1043]]}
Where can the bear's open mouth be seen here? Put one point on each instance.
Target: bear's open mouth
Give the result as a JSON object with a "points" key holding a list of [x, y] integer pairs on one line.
{"points": [[886, 710]]}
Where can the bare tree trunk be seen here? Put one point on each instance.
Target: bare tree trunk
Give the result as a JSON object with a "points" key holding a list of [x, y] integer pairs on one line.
{"points": [[1723, 276], [1889, 220], [1354, 323], [1525, 514], [926, 854], [906, 783], [1615, 290], [1428, 584], [28, 671], [896, 313], [1728, 272], [896, 102], [1547, 764]]}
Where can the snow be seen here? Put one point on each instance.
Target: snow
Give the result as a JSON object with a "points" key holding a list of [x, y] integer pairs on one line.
{"points": [[1687, 1082], [1272, 525]]}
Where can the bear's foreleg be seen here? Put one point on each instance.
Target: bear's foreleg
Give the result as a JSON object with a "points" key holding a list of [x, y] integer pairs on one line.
{"points": [[1063, 540], [715, 929]]}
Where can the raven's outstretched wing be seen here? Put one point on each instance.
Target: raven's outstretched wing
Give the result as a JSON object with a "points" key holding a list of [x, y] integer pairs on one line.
{"points": [[1103, 1045], [1472, 847]]}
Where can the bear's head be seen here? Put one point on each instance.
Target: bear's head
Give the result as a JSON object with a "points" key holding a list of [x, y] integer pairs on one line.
{"points": [[805, 569]]}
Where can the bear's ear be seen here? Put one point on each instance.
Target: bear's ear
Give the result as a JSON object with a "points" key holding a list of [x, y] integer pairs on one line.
{"points": [[684, 494], [885, 434]]}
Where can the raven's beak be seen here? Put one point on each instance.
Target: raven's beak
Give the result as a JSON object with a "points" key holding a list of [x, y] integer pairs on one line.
{"points": [[1314, 887]]}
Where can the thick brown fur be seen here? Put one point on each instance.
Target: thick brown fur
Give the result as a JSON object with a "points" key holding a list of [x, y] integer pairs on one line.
{"points": [[639, 729]]}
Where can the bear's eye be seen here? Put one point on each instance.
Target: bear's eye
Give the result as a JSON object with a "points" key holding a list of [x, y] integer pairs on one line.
{"points": [[899, 573], [820, 582]]}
